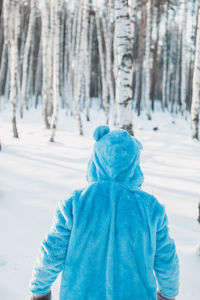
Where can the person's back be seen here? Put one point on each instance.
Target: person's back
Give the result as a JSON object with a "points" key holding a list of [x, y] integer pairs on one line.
{"points": [[110, 240]]}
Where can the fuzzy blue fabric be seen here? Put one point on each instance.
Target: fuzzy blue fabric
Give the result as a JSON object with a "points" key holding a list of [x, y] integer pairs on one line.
{"points": [[109, 240]]}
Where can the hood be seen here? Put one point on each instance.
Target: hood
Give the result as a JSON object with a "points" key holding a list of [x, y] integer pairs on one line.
{"points": [[116, 156]]}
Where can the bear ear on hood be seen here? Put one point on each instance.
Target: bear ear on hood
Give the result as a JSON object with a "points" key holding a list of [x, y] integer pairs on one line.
{"points": [[100, 132]]}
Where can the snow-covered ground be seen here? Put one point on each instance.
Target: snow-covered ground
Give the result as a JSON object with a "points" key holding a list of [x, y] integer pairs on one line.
{"points": [[36, 174]]}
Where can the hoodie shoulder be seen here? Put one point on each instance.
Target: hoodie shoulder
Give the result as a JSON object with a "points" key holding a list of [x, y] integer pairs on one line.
{"points": [[69, 201], [151, 203]]}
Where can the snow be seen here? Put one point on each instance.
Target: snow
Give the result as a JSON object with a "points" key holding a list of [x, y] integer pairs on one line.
{"points": [[36, 174]]}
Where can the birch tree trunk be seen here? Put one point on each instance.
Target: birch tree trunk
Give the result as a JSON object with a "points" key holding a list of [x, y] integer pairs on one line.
{"points": [[183, 67], [3, 69], [66, 41], [177, 76], [196, 84], [56, 65], [147, 61], [103, 70], [124, 70], [164, 75], [81, 46], [13, 84], [132, 13], [13, 9], [106, 22], [69, 68], [50, 50], [6, 8], [7, 83], [155, 54], [45, 70], [141, 56], [61, 24], [26, 56], [87, 77], [74, 47], [38, 76], [115, 67], [30, 80], [136, 85]]}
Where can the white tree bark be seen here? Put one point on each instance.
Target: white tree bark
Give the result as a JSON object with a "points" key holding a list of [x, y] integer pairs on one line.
{"points": [[66, 45], [147, 60], [6, 6], [28, 42], [88, 75], [80, 59], [183, 67], [132, 12], [3, 69], [76, 70], [38, 76], [69, 69], [124, 65], [7, 84], [61, 24], [115, 68], [12, 31], [50, 50], [108, 47], [196, 84], [102, 66], [56, 64], [164, 75], [29, 97], [177, 75], [13, 83], [45, 68], [136, 85]]}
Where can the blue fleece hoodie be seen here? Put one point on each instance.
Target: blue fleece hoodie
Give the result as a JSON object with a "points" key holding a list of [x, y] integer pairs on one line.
{"points": [[109, 240]]}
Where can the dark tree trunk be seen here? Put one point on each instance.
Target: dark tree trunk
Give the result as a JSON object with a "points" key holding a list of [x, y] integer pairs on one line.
{"points": [[155, 54], [141, 54]]}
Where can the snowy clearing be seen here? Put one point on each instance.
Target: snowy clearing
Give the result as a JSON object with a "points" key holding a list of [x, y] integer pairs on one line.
{"points": [[36, 174]]}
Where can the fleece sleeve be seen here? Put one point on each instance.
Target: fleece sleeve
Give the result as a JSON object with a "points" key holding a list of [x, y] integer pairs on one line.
{"points": [[166, 263], [53, 250]]}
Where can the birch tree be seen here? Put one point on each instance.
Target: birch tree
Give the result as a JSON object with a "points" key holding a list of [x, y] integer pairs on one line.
{"points": [[103, 69], [29, 37], [4, 68], [56, 64], [177, 75], [45, 62], [141, 55], [75, 45], [183, 67], [38, 75], [196, 84], [147, 61], [124, 65], [81, 44], [12, 31], [70, 64], [88, 65], [106, 22], [165, 53], [155, 53], [67, 40]]}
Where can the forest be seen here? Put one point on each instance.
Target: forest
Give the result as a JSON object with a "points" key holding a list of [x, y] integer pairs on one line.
{"points": [[134, 56]]}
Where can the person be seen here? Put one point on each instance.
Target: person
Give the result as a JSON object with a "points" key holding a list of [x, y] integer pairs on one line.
{"points": [[110, 240]]}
